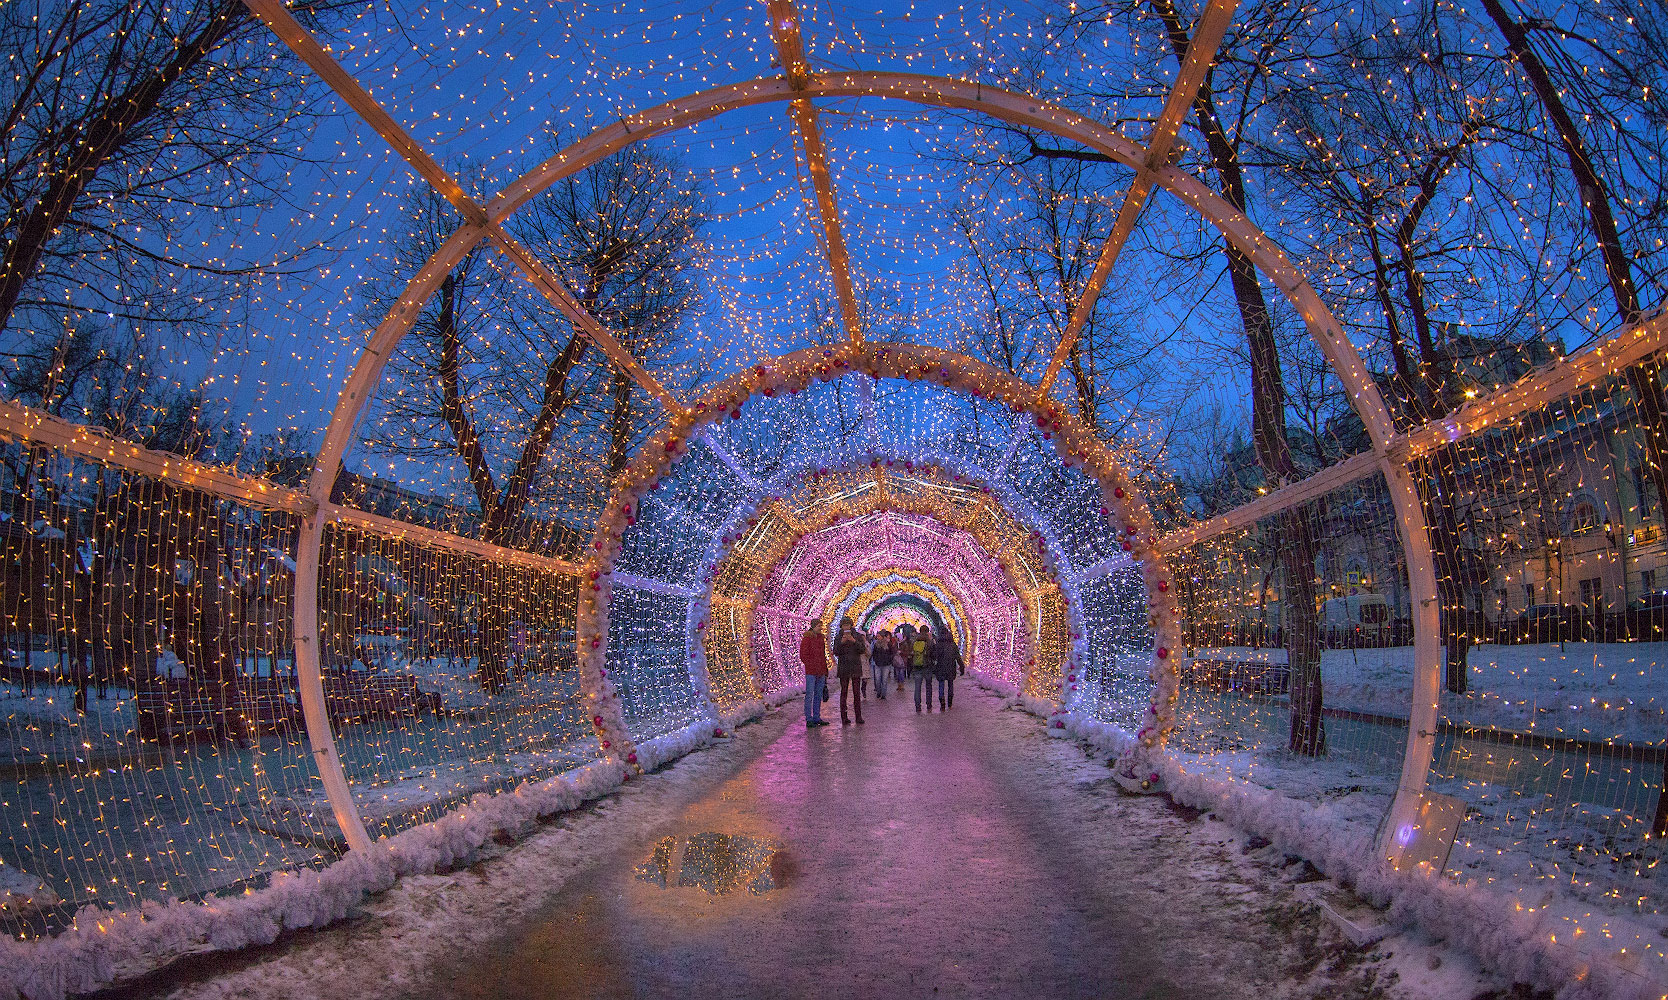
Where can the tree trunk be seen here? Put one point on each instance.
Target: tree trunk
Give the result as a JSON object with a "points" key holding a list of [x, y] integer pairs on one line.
{"points": [[1268, 423], [1644, 379], [619, 423]]}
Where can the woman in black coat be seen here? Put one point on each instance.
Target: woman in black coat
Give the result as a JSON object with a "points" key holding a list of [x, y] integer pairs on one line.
{"points": [[947, 663], [850, 647]]}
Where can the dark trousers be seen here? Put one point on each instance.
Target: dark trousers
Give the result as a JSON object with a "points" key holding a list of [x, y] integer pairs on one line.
{"points": [[855, 685]]}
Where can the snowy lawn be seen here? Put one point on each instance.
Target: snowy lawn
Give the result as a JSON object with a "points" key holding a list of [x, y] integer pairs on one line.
{"points": [[1579, 690], [1238, 917]]}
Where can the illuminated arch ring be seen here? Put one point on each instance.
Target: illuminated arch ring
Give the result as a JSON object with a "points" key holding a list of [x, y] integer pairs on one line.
{"points": [[1075, 443], [941, 594], [1000, 104], [905, 600], [1053, 555]]}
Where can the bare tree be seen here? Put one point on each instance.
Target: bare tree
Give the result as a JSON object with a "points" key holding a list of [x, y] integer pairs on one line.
{"points": [[1032, 227], [129, 129], [487, 353]]}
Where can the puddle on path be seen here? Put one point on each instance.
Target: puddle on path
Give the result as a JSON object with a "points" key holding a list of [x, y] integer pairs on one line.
{"points": [[720, 863]]}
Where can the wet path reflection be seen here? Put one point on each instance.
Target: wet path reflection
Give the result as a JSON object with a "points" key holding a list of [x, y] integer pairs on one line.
{"points": [[917, 855]]}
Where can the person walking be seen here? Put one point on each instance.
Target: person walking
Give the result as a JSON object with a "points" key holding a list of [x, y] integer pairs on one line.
{"points": [[880, 662], [868, 659], [900, 658], [849, 650], [921, 666], [813, 653], [947, 662]]}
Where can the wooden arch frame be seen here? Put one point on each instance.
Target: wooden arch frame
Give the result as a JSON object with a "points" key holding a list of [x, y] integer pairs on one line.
{"points": [[1049, 558], [1003, 105]]}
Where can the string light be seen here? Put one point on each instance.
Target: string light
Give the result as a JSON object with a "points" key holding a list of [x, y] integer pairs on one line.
{"points": [[534, 561]]}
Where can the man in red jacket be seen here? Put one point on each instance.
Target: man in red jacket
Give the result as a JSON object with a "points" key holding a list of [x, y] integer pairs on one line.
{"points": [[813, 652]]}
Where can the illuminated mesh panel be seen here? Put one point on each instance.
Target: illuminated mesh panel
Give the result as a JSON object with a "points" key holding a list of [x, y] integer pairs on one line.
{"points": [[729, 681], [775, 645], [445, 675], [648, 663], [1067, 501], [1001, 644], [662, 545], [1114, 683], [1050, 645], [918, 417], [1245, 616], [1551, 563], [147, 702], [702, 486]]}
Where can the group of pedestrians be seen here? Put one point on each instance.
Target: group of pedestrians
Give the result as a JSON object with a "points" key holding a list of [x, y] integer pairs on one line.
{"points": [[885, 658]]}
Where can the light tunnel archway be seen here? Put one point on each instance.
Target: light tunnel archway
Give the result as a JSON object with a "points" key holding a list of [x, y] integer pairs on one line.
{"points": [[993, 519], [888, 614], [614, 603], [899, 360], [1073, 445], [848, 567]]}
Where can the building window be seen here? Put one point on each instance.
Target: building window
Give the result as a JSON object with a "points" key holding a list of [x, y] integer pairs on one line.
{"points": [[1641, 490], [1583, 517], [1647, 580]]}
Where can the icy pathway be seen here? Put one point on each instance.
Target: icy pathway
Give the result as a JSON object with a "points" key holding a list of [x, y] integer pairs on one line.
{"points": [[959, 855]]}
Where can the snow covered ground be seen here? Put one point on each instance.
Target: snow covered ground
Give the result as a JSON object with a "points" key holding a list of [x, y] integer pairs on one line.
{"points": [[1225, 912], [1557, 835], [1616, 692]]}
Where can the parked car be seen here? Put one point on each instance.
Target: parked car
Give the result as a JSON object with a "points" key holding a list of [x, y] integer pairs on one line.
{"points": [[1359, 620], [1645, 620], [1550, 623]]}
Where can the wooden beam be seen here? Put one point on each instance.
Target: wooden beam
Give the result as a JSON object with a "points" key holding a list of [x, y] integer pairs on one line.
{"points": [[552, 287], [31, 428], [1318, 485], [1608, 358], [790, 48], [25, 426], [1201, 52], [387, 527]]}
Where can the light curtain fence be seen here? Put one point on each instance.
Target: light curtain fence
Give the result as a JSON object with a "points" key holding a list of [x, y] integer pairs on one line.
{"points": [[159, 750], [153, 711], [1550, 673]]}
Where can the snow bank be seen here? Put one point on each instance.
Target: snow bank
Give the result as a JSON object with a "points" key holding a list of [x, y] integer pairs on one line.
{"points": [[1519, 942], [104, 945], [1553, 944], [1581, 690], [1114, 740], [662, 750], [21, 892]]}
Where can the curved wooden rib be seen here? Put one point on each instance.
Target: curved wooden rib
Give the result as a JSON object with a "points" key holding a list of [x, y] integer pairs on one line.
{"points": [[1207, 38], [790, 46]]}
